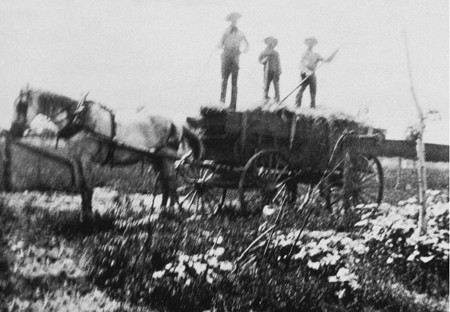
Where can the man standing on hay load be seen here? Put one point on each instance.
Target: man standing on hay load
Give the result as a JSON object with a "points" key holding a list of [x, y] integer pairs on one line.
{"points": [[309, 62], [272, 68], [231, 42]]}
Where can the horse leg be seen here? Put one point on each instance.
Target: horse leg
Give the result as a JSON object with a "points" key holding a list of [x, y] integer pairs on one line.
{"points": [[85, 190], [162, 179], [169, 175]]}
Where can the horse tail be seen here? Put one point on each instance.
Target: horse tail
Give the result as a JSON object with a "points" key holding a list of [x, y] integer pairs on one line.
{"points": [[194, 142]]}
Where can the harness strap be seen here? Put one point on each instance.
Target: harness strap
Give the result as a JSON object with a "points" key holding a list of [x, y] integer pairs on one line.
{"points": [[112, 144]]}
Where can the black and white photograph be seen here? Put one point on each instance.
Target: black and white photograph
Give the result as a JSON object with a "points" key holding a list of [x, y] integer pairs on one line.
{"points": [[224, 155]]}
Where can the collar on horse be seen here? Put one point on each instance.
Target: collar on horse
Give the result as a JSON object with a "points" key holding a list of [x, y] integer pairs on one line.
{"points": [[74, 124]]}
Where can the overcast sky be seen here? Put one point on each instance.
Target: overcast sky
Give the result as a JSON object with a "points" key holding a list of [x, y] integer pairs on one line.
{"points": [[163, 55]]}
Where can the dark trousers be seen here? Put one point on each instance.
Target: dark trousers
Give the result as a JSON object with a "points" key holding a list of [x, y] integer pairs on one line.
{"points": [[275, 78], [312, 83], [230, 66]]}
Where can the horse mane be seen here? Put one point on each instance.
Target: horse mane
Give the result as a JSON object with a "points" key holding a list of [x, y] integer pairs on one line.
{"points": [[49, 101]]}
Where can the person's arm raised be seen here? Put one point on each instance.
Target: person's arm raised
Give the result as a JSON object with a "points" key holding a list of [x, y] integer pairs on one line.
{"points": [[245, 50]]}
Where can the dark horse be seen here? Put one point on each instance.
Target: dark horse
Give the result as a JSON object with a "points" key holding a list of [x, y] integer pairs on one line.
{"points": [[96, 135]]}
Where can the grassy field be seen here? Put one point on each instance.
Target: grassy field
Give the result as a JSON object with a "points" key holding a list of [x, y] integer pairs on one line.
{"points": [[127, 259]]}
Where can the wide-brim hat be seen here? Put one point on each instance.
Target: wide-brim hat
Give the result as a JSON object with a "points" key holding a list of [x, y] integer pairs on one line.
{"points": [[234, 16], [272, 41], [311, 41]]}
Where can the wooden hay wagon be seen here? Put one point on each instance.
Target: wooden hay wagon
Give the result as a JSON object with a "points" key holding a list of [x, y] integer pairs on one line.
{"points": [[256, 158]]}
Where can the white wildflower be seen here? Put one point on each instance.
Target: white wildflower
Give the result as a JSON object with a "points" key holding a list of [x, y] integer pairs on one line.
{"points": [[313, 265], [226, 266], [301, 254], [333, 279], [340, 293], [199, 267], [413, 256], [330, 259], [360, 248], [183, 258], [426, 259], [219, 251], [158, 274], [268, 211], [213, 262], [362, 223], [354, 284]]}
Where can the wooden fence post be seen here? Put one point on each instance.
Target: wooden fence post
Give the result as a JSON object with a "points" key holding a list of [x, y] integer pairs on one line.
{"points": [[7, 164], [399, 173], [39, 164]]}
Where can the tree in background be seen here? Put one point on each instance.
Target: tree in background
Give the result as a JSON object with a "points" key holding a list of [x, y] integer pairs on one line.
{"points": [[417, 134]]}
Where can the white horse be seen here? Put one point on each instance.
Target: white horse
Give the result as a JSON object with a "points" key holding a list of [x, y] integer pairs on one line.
{"points": [[96, 135]]}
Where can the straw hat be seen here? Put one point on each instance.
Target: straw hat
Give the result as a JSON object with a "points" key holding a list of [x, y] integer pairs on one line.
{"points": [[311, 41], [272, 41], [234, 16]]}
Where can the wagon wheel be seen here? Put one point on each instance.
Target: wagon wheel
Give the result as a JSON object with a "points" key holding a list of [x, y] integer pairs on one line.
{"points": [[196, 191], [359, 181], [264, 180]]}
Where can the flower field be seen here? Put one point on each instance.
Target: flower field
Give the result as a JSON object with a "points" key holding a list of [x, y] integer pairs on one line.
{"points": [[130, 258]]}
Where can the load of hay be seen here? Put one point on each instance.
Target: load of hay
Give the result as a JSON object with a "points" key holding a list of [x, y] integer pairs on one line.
{"points": [[276, 121], [305, 133]]}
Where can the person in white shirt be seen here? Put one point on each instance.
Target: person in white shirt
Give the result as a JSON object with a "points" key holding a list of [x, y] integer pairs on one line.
{"points": [[231, 42], [308, 65]]}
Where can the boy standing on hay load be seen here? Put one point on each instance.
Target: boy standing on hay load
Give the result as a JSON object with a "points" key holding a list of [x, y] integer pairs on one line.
{"points": [[309, 62], [272, 68], [231, 44]]}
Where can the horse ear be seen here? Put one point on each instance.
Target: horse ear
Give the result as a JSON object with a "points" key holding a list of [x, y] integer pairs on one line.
{"points": [[80, 103]]}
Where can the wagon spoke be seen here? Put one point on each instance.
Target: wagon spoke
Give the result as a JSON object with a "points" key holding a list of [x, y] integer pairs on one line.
{"points": [[197, 203], [262, 174], [283, 171], [194, 195], [187, 196], [281, 190]]}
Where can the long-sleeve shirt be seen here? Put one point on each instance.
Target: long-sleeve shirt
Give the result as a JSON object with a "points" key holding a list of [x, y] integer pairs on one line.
{"points": [[309, 62], [231, 40], [271, 60]]}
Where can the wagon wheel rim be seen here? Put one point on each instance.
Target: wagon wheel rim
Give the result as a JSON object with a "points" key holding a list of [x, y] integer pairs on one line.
{"points": [[198, 194], [359, 182], [194, 178], [367, 185], [266, 173]]}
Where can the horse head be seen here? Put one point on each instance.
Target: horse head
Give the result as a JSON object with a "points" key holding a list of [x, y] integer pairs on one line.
{"points": [[21, 119], [62, 111]]}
